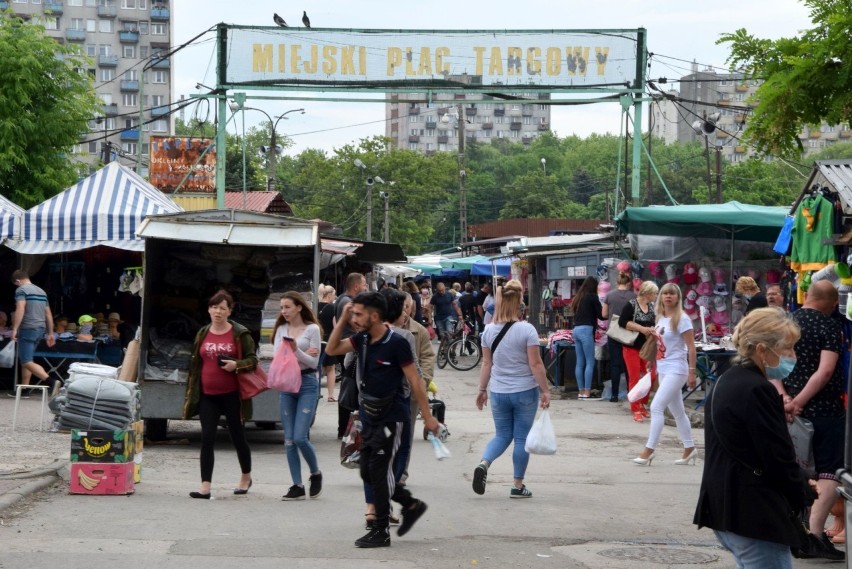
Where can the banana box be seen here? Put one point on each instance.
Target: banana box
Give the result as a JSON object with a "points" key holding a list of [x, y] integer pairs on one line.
{"points": [[116, 446], [102, 479], [139, 432]]}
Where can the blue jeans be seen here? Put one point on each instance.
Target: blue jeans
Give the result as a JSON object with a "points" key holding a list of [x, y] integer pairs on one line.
{"points": [[28, 339], [513, 415], [750, 553], [297, 414], [445, 326], [584, 347]]}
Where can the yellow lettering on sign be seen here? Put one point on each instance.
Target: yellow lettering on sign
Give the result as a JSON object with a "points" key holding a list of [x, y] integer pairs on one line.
{"points": [[409, 62], [347, 61], [495, 66], [602, 56], [440, 54], [282, 50], [312, 63], [329, 56], [262, 58], [480, 52], [295, 59], [533, 60], [553, 59], [362, 60], [577, 60], [394, 59], [425, 67]]}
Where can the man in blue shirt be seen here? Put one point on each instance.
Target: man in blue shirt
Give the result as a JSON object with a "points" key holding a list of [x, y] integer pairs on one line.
{"points": [[385, 364], [32, 319], [446, 312]]}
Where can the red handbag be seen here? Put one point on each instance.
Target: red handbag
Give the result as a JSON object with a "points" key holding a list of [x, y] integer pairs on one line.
{"points": [[252, 383]]}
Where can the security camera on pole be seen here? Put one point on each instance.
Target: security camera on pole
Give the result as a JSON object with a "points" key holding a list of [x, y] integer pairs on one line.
{"points": [[706, 127], [369, 182]]}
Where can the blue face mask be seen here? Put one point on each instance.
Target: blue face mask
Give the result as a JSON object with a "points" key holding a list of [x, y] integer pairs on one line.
{"points": [[783, 369]]}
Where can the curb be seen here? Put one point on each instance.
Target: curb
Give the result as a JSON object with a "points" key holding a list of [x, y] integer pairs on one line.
{"points": [[42, 479]]}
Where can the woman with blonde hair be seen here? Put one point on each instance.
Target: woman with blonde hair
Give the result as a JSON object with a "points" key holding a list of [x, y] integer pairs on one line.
{"points": [[750, 292], [638, 316], [676, 366], [325, 315], [751, 480], [516, 377]]}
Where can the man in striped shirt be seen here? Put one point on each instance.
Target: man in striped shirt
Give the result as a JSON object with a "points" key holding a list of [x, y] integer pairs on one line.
{"points": [[32, 319]]}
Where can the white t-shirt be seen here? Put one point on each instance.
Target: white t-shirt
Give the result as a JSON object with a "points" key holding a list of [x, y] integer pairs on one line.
{"points": [[310, 338], [510, 366], [676, 360]]}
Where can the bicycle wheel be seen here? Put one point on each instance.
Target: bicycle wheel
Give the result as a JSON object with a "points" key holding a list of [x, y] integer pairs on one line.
{"points": [[441, 358], [464, 354]]}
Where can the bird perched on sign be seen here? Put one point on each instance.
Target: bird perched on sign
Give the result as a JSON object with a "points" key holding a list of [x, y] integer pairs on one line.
{"points": [[305, 20], [279, 20]]}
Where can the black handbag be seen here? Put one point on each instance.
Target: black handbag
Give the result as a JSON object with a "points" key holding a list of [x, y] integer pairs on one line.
{"points": [[348, 395]]}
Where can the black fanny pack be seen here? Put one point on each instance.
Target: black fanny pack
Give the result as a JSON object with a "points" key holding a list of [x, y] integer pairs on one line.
{"points": [[376, 407]]}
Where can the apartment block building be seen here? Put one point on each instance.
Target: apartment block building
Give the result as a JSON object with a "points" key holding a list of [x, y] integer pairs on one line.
{"points": [[706, 92], [125, 40], [431, 125], [665, 117]]}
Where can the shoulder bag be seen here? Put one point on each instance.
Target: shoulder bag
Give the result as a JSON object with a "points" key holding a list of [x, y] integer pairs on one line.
{"points": [[500, 336], [252, 383], [619, 334]]}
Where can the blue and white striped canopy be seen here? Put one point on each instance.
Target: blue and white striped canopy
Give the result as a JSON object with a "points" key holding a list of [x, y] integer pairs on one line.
{"points": [[10, 219], [104, 209]]}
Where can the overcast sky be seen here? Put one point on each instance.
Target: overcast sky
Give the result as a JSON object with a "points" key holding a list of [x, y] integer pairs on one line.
{"points": [[676, 31]]}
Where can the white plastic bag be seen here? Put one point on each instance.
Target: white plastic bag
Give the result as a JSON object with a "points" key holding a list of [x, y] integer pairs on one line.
{"points": [[541, 438], [641, 389], [440, 449], [7, 355]]}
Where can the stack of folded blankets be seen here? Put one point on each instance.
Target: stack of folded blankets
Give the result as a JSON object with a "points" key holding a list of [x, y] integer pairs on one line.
{"points": [[94, 399]]}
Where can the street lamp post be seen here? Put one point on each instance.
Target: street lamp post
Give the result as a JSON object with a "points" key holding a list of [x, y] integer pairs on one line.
{"points": [[272, 151], [369, 183], [385, 196], [544, 165]]}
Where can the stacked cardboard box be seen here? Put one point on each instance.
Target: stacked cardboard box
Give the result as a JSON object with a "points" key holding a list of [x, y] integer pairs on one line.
{"points": [[103, 461]]}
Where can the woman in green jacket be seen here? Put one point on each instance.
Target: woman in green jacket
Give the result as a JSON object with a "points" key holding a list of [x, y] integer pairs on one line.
{"points": [[222, 349]]}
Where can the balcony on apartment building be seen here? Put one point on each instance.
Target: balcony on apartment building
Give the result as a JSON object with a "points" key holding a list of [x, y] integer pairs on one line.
{"points": [[4, 5], [131, 134], [845, 134], [129, 85], [431, 124], [109, 11], [413, 110], [527, 139], [443, 139], [543, 126], [128, 36], [111, 110], [487, 125], [159, 13], [54, 8], [470, 111], [499, 111], [414, 138], [75, 35], [160, 63], [107, 60], [516, 125], [160, 111], [527, 111]]}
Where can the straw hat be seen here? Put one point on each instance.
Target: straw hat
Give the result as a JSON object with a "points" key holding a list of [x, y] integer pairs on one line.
{"points": [[114, 317]]}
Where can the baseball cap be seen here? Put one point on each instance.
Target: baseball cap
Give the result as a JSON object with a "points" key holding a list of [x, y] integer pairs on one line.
{"points": [[690, 273]]}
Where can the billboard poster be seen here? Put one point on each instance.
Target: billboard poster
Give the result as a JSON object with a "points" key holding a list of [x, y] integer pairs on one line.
{"points": [[175, 158]]}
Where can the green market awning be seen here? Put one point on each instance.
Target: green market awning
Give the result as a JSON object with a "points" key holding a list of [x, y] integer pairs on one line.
{"points": [[462, 263], [731, 220]]}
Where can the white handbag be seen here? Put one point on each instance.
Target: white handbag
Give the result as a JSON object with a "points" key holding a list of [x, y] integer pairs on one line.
{"points": [[620, 334]]}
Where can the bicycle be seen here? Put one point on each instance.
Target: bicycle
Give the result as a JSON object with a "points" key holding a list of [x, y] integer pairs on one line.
{"points": [[461, 349]]}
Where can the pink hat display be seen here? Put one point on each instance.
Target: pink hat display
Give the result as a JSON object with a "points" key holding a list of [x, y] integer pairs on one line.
{"points": [[691, 311], [720, 289], [719, 303], [704, 301], [690, 273], [704, 288], [623, 267], [603, 288], [636, 284], [773, 277], [718, 276], [691, 296], [704, 274], [655, 268], [720, 317]]}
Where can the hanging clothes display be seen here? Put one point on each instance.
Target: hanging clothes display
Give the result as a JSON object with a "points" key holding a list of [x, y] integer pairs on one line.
{"points": [[813, 225]]}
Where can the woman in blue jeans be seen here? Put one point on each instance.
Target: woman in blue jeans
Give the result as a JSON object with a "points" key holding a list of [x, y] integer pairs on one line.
{"points": [[298, 325], [515, 374], [586, 307]]}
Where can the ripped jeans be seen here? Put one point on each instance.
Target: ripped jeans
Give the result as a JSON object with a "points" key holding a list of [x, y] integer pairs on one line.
{"points": [[297, 414]]}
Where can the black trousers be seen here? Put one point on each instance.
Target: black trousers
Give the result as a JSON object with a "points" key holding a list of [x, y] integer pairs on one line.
{"points": [[380, 443], [210, 408]]}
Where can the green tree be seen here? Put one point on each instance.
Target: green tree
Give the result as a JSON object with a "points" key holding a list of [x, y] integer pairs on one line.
{"points": [[46, 102], [806, 79]]}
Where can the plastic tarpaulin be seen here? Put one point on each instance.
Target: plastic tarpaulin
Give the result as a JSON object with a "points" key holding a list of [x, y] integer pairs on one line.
{"points": [[501, 266], [731, 220]]}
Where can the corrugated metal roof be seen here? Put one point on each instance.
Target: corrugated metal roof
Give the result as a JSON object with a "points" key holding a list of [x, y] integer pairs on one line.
{"points": [[837, 173], [262, 201], [531, 227]]}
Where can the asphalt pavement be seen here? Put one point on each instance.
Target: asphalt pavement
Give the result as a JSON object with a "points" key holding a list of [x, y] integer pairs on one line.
{"points": [[591, 506]]}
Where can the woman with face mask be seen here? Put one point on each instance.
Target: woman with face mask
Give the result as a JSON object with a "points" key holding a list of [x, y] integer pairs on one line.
{"points": [[751, 480]]}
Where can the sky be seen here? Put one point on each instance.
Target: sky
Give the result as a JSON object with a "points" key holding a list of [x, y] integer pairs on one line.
{"points": [[678, 33]]}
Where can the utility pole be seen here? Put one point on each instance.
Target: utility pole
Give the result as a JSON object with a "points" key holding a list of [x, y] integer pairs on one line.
{"points": [[386, 196], [462, 175], [369, 209], [718, 174]]}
